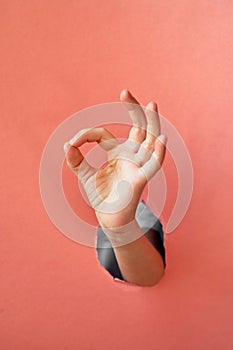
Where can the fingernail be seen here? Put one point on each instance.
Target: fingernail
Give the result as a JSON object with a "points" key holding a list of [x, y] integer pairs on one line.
{"points": [[66, 147], [124, 92], [163, 139], [74, 139], [152, 106]]}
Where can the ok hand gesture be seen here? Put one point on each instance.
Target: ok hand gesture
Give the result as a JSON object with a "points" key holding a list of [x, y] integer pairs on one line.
{"points": [[114, 191]]}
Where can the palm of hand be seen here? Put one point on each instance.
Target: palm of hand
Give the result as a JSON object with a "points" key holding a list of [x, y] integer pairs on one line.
{"points": [[120, 181]]}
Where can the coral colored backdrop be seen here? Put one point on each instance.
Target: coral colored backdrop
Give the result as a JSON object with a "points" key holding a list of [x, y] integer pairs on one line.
{"points": [[58, 57]]}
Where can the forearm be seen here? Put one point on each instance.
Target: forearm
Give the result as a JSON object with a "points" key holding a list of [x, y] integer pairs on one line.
{"points": [[140, 263]]}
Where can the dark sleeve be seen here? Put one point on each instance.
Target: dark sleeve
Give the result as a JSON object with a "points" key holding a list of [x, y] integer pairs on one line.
{"points": [[144, 216]]}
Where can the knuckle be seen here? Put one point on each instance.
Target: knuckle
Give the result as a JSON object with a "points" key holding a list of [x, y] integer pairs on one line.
{"points": [[148, 145], [140, 130]]}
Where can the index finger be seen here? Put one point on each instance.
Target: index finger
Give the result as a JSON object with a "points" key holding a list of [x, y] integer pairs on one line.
{"points": [[100, 135]]}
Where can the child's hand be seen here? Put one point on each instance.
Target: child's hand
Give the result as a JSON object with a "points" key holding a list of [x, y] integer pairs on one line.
{"points": [[114, 191]]}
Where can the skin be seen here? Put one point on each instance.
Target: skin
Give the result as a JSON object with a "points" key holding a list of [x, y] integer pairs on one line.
{"points": [[115, 190]]}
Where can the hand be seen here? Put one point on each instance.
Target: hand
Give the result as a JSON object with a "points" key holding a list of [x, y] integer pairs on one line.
{"points": [[114, 191]]}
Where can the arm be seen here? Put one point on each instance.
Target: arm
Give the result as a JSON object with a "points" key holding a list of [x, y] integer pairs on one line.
{"points": [[140, 263], [115, 190]]}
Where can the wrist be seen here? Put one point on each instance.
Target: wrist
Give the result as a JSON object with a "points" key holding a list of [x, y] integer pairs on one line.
{"points": [[116, 222], [124, 234]]}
